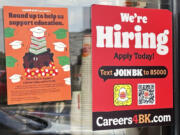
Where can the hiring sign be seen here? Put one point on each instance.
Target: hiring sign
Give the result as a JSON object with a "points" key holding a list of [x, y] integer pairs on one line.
{"points": [[132, 73]]}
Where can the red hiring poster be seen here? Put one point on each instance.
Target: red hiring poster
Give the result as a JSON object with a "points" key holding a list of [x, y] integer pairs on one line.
{"points": [[132, 73]]}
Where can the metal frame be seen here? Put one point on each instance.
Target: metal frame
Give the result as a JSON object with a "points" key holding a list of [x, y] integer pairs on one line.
{"points": [[176, 17], [174, 6]]}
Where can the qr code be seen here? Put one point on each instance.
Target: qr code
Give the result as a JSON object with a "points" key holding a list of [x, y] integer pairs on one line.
{"points": [[146, 94]]}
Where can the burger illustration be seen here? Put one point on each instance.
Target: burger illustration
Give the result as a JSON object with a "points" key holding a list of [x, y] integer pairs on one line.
{"points": [[122, 95], [146, 94]]}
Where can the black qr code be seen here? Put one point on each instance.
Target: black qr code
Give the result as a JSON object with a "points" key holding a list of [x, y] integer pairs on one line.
{"points": [[146, 94]]}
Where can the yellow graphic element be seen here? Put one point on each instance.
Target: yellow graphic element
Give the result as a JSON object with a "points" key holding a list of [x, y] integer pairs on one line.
{"points": [[51, 72], [122, 95], [32, 73]]}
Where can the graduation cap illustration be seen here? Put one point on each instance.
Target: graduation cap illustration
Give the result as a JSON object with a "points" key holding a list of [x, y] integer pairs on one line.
{"points": [[9, 32], [61, 33], [15, 78], [38, 31], [59, 46], [67, 80], [10, 61], [16, 44], [66, 68], [64, 61]]}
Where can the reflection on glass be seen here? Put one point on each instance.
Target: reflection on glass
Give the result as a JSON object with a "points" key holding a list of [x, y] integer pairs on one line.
{"points": [[60, 114]]}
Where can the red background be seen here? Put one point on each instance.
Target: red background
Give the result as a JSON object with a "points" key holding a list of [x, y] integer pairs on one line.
{"points": [[158, 21]]}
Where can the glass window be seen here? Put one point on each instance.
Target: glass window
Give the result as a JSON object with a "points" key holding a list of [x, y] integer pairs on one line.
{"points": [[66, 117]]}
